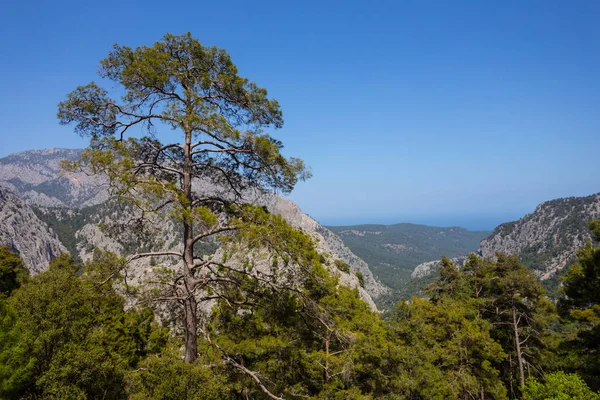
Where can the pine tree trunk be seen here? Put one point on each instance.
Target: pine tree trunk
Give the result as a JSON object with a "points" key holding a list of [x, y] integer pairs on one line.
{"points": [[326, 372], [191, 338], [510, 374], [518, 348], [190, 305]]}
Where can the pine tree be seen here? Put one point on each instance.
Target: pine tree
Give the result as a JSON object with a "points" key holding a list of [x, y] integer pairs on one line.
{"points": [[216, 150]]}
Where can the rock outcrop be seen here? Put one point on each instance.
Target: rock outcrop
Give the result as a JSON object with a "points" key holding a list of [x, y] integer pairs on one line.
{"points": [[548, 239], [22, 231], [37, 177], [429, 268]]}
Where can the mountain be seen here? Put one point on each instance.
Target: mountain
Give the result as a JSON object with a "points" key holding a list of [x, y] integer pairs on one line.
{"points": [[546, 241], [393, 251], [37, 177], [75, 204], [22, 231]]}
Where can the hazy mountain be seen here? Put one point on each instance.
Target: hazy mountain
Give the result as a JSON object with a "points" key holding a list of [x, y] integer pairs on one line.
{"points": [[36, 176], [74, 205], [393, 251]]}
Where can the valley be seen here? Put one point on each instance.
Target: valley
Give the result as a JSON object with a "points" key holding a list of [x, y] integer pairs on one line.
{"points": [[393, 251]]}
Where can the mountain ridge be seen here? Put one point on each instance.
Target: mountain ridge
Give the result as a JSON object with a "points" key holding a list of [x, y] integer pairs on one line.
{"points": [[546, 240], [59, 197]]}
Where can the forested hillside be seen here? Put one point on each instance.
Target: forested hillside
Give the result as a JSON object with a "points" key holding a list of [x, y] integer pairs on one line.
{"points": [[486, 331], [393, 251]]}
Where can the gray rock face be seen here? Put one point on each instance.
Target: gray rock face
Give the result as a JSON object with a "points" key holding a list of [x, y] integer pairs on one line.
{"points": [[43, 185], [425, 269], [327, 242], [548, 239], [22, 231], [545, 241], [429, 268]]}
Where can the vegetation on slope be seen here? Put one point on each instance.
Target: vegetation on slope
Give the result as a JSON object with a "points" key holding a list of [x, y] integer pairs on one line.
{"points": [[548, 239], [393, 251], [65, 333]]}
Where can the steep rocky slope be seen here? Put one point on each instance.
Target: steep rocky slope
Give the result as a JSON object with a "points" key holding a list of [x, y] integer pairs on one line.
{"points": [[22, 231], [327, 241], [75, 204], [546, 240]]}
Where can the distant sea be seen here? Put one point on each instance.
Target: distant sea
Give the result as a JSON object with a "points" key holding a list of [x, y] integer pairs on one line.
{"points": [[483, 222]]}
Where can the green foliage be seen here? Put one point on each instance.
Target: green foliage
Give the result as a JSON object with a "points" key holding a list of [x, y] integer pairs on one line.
{"points": [[559, 386], [507, 295], [361, 279], [317, 343], [582, 281], [449, 352], [342, 266], [581, 306], [168, 377], [12, 271], [595, 228], [257, 230], [66, 338]]}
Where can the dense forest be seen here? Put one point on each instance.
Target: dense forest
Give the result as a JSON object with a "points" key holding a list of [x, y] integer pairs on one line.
{"points": [[486, 330]]}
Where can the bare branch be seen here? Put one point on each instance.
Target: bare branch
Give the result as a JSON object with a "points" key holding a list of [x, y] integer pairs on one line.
{"points": [[152, 254], [230, 361], [213, 232]]}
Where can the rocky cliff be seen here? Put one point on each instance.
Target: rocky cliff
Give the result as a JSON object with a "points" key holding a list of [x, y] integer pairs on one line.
{"points": [[22, 231], [37, 177], [76, 203], [548, 239]]}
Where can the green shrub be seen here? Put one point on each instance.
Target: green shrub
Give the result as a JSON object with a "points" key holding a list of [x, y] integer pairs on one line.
{"points": [[361, 279], [342, 266], [559, 386]]}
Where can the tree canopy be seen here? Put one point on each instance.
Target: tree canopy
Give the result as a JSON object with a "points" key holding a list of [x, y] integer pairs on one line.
{"points": [[216, 151], [12, 271]]}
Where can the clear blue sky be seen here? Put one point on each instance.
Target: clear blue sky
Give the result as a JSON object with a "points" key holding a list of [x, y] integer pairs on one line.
{"points": [[440, 112]]}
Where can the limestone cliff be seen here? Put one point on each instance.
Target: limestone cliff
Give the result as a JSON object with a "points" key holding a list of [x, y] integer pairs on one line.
{"points": [[22, 231]]}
